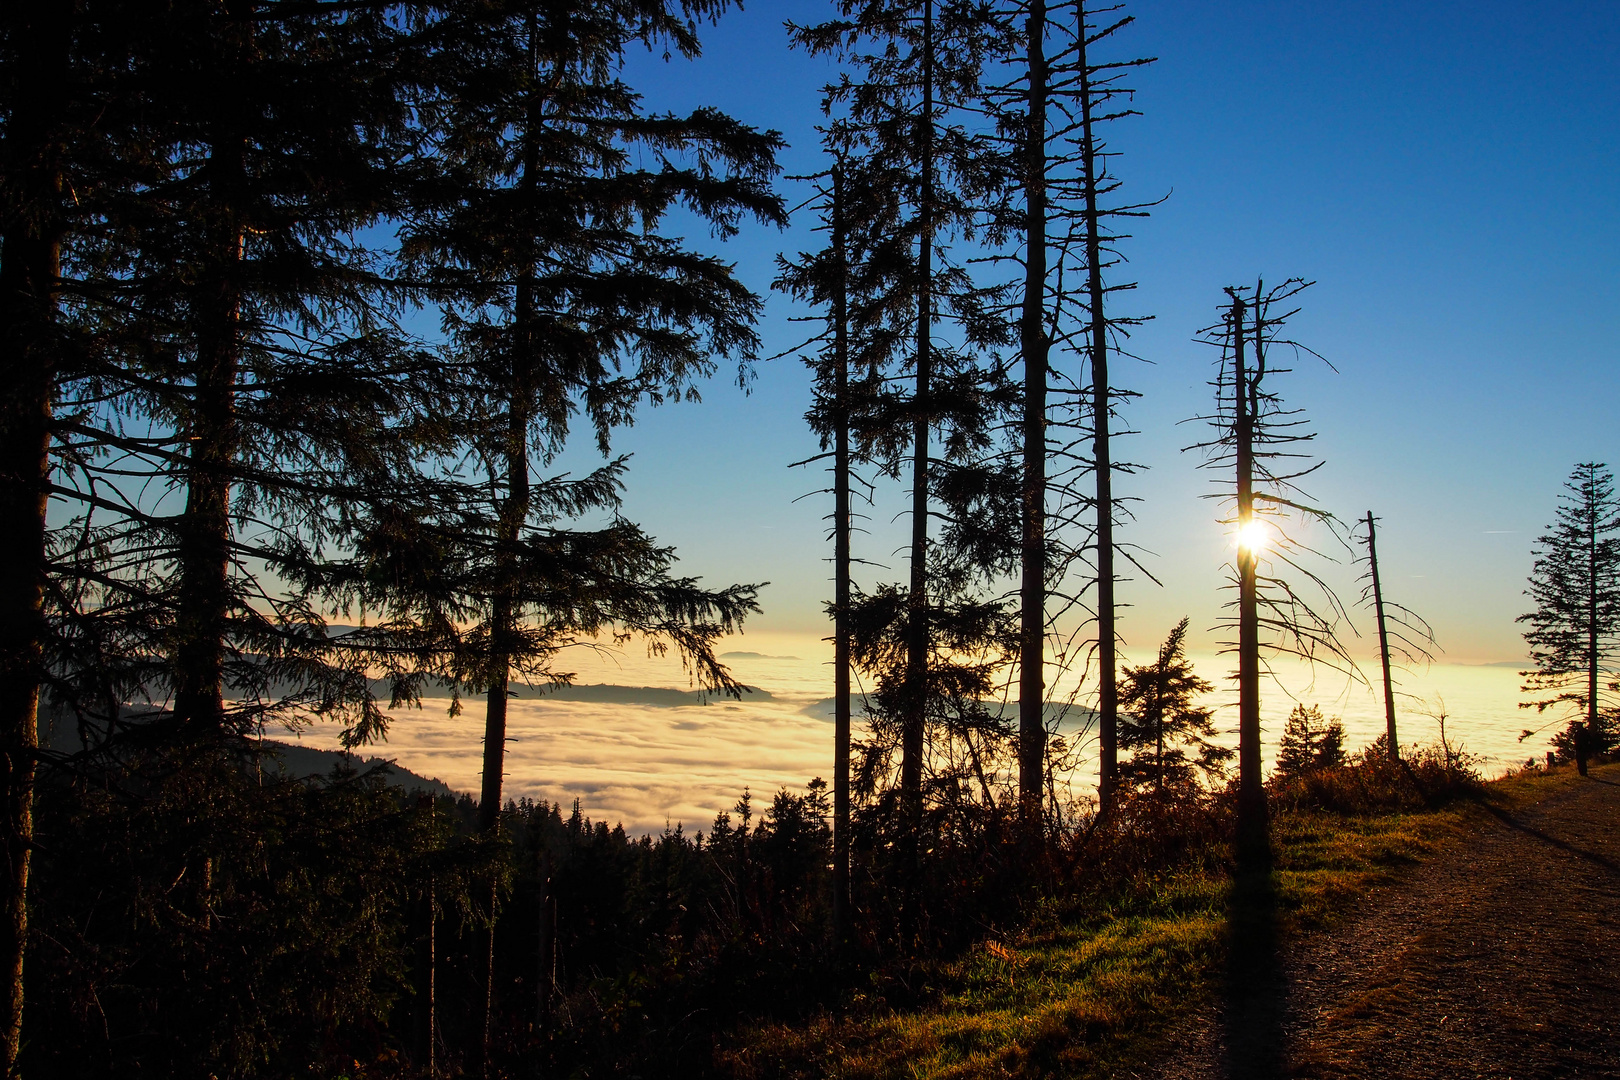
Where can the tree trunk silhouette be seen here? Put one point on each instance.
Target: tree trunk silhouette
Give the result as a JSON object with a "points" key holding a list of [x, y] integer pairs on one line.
{"points": [[29, 270], [1251, 821], [1101, 405], [1036, 347], [915, 724], [546, 945], [1383, 639], [514, 514], [202, 619], [841, 565]]}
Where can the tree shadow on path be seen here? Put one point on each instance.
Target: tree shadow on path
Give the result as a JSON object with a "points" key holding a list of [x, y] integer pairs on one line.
{"points": [[1580, 853], [1254, 991]]}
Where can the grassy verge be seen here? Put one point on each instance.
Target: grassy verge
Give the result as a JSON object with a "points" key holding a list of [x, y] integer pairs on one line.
{"points": [[1090, 996]]}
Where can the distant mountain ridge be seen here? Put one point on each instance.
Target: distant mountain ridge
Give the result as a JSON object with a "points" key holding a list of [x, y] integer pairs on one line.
{"points": [[293, 760]]}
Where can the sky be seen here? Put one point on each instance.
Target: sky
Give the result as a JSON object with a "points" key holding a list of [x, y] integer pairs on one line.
{"points": [[1442, 171]]}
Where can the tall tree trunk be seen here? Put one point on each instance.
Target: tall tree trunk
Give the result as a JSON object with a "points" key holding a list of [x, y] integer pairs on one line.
{"points": [[1251, 822], [429, 1022], [1383, 641], [1101, 404], [513, 514], [502, 632], [915, 722], [1035, 346], [29, 270], [489, 799], [841, 566], [1592, 652], [213, 434], [205, 532]]}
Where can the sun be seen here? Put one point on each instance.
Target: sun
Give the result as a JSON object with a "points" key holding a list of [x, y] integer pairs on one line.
{"points": [[1254, 536]]}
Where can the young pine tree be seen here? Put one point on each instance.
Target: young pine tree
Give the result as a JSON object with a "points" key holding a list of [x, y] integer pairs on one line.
{"points": [[1575, 630], [1309, 743], [1163, 729]]}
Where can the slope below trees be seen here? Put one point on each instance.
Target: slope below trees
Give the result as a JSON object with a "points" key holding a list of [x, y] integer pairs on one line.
{"points": [[1494, 959]]}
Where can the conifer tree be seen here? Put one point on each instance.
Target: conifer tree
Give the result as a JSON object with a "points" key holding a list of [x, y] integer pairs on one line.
{"points": [[36, 45], [1309, 743], [916, 79], [561, 299], [1058, 214], [1166, 732], [249, 381], [1574, 631], [203, 355]]}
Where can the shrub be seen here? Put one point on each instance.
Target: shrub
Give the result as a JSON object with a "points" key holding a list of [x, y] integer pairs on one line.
{"points": [[1372, 783]]}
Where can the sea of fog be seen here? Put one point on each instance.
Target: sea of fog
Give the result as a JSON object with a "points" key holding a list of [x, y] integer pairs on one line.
{"points": [[635, 745]]}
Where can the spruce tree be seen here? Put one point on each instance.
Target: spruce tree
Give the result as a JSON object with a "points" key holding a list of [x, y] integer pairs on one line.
{"points": [[1163, 729], [1575, 629], [36, 46], [1309, 743], [907, 106], [250, 380], [562, 299]]}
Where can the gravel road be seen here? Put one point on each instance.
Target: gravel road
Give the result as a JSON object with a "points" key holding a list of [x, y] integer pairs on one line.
{"points": [[1498, 958]]}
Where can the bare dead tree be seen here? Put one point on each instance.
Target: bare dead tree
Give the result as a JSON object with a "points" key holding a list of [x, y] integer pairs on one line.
{"points": [[1060, 223], [1399, 629], [1263, 443]]}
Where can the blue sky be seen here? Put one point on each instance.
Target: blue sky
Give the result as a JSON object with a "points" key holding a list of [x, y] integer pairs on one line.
{"points": [[1443, 171]]}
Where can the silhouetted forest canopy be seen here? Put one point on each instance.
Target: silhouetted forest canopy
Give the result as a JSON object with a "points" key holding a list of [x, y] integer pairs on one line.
{"points": [[302, 303]]}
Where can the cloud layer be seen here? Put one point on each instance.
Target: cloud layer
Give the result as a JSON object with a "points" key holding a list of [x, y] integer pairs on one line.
{"points": [[647, 753]]}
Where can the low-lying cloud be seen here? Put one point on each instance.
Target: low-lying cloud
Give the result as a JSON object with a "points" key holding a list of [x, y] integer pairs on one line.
{"points": [[632, 755]]}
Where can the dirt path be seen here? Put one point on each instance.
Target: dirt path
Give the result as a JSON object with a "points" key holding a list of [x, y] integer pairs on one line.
{"points": [[1500, 958]]}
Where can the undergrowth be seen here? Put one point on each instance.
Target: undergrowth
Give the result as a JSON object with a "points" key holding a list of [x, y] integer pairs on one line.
{"points": [[1097, 982]]}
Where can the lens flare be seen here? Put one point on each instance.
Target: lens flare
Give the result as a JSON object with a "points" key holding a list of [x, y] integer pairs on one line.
{"points": [[1254, 536]]}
